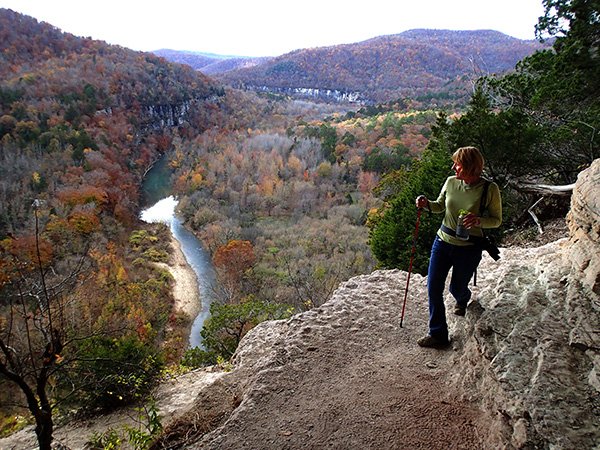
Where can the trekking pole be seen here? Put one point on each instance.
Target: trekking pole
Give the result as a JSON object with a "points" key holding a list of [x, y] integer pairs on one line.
{"points": [[412, 255]]}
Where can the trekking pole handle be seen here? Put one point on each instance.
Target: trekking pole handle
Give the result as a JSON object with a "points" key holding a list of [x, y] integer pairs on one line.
{"points": [[421, 202]]}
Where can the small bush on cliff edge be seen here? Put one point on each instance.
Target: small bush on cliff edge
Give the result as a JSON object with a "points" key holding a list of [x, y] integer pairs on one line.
{"points": [[227, 325], [117, 371]]}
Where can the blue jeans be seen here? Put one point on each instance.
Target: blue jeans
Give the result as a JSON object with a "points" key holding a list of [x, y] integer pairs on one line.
{"points": [[463, 261]]}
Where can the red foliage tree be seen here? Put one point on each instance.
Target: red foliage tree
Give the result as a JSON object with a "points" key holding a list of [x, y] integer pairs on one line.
{"points": [[235, 258], [233, 262]]}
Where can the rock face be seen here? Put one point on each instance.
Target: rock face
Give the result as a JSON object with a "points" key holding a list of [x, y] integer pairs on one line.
{"points": [[584, 227], [523, 371], [524, 354], [316, 93]]}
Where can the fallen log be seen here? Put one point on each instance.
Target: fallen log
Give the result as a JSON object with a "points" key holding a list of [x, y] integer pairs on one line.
{"points": [[546, 189]]}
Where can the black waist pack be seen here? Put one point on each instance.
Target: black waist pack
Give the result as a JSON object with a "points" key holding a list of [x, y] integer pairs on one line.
{"points": [[488, 244], [485, 242]]}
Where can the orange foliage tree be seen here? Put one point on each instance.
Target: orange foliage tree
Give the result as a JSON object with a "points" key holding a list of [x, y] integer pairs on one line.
{"points": [[233, 261]]}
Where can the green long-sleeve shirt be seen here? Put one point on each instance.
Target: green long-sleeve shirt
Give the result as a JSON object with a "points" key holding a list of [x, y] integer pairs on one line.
{"points": [[456, 195]]}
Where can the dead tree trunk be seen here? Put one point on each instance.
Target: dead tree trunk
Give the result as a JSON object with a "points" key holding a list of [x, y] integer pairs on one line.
{"points": [[545, 190]]}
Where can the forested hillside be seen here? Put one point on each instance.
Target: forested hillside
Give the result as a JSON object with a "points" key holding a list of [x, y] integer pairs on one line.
{"points": [[195, 60], [417, 63], [80, 298], [77, 114]]}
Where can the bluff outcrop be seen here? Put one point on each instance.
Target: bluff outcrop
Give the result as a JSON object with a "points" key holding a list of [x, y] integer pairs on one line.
{"points": [[523, 371]]}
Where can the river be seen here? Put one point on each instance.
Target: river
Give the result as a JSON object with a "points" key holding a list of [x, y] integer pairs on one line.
{"points": [[161, 207]]}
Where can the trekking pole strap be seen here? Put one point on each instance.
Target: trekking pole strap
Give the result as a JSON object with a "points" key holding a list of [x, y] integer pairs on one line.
{"points": [[412, 254]]}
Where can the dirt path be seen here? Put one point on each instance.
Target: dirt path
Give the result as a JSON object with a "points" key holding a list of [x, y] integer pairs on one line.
{"points": [[344, 376], [391, 398]]}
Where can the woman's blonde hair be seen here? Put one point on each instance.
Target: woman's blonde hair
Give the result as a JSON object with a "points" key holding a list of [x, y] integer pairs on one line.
{"points": [[470, 159]]}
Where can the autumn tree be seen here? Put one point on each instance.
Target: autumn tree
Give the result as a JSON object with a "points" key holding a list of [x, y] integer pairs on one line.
{"points": [[34, 323], [58, 344], [233, 262]]}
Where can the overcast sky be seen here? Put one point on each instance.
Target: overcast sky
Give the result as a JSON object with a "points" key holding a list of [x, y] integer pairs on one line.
{"points": [[271, 27]]}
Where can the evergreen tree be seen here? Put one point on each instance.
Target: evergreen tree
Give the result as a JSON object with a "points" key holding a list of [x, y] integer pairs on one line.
{"points": [[392, 230], [558, 91], [328, 136], [508, 139]]}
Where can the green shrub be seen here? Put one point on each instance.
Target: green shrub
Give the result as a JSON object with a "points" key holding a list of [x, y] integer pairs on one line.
{"points": [[117, 371], [108, 440], [227, 324], [156, 255], [196, 357]]}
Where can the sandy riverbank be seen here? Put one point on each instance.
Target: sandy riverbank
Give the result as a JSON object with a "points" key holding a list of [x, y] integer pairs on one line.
{"points": [[185, 291]]}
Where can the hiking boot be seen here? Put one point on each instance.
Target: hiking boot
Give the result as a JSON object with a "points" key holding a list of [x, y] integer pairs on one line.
{"points": [[460, 310], [433, 342]]}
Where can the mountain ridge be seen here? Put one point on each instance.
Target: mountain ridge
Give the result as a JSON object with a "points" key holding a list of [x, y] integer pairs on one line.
{"points": [[384, 68]]}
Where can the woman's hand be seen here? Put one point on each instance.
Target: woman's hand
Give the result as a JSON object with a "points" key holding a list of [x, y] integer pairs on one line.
{"points": [[471, 220], [422, 202]]}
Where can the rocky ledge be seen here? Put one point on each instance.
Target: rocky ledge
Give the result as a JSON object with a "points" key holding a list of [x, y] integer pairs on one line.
{"points": [[523, 370]]}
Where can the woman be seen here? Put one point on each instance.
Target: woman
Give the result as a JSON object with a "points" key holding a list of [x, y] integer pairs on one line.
{"points": [[460, 192]]}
